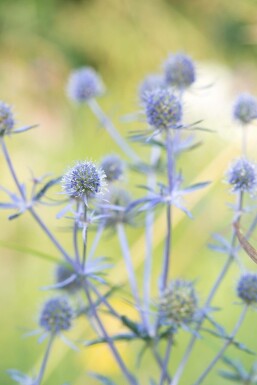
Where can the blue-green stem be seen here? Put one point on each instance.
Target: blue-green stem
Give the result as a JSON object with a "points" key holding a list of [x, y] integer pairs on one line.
{"points": [[30, 209], [45, 359], [166, 360], [112, 131], [75, 233], [149, 222], [170, 172], [96, 241], [130, 269], [161, 364], [215, 287], [224, 347], [130, 378]]}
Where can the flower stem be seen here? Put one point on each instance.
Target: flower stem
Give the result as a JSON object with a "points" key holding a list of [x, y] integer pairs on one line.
{"points": [[224, 347], [45, 359], [167, 252], [130, 378], [149, 221], [112, 131], [166, 360], [95, 243], [215, 287], [75, 235], [30, 209], [130, 269]]}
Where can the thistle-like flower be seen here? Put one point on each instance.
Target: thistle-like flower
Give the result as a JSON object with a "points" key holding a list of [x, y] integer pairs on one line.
{"points": [[6, 119], [163, 109], [113, 167], [84, 84], [247, 288], [114, 210], [64, 274], [150, 83], [242, 175], [83, 180], [179, 71], [56, 315], [178, 303], [245, 108]]}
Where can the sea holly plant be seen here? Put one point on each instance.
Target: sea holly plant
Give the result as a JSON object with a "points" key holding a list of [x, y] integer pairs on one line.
{"points": [[96, 196]]}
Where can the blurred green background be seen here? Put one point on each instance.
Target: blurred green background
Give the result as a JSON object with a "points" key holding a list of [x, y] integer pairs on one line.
{"points": [[41, 42]]}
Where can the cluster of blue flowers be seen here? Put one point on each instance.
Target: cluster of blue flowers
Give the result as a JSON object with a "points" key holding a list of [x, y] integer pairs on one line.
{"points": [[97, 197]]}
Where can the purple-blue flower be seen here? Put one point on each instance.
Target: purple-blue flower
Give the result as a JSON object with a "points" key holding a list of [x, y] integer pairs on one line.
{"points": [[83, 180], [163, 109], [6, 119], [113, 167], [245, 108], [242, 176], [56, 315], [247, 288], [179, 71], [84, 84]]}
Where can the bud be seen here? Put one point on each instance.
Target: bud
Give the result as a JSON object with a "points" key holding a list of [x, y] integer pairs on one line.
{"points": [[178, 303], [245, 108], [6, 119], [113, 167], [247, 288], [84, 84], [56, 315], [242, 176], [179, 71], [63, 273], [163, 109]]}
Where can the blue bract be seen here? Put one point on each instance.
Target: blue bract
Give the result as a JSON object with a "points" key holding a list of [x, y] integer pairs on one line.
{"points": [[247, 288], [163, 109], [84, 84], [242, 176], [56, 315], [245, 108], [179, 71]]}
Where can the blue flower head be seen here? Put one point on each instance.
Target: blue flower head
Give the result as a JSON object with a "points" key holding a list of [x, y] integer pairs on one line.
{"points": [[245, 108], [163, 109], [6, 119], [113, 167], [56, 315], [178, 303], [62, 274], [179, 71], [83, 180], [150, 83], [242, 175], [247, 288], [84, 84]]}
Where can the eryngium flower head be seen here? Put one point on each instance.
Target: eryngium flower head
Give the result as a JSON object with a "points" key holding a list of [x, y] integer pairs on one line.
{"points": [[247, 288], [114, 211], [242, 175], [178, 303], [150, 83], [83, 180], [62, 274], [163, 109], [245, 108], [56, 315], [84, 84], [179, 71], [113, 167], [6, 119]]}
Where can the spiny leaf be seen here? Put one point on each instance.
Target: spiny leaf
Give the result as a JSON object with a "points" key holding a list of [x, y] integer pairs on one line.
{"points": [[46, 187], [103, 379], [117, 337]]}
